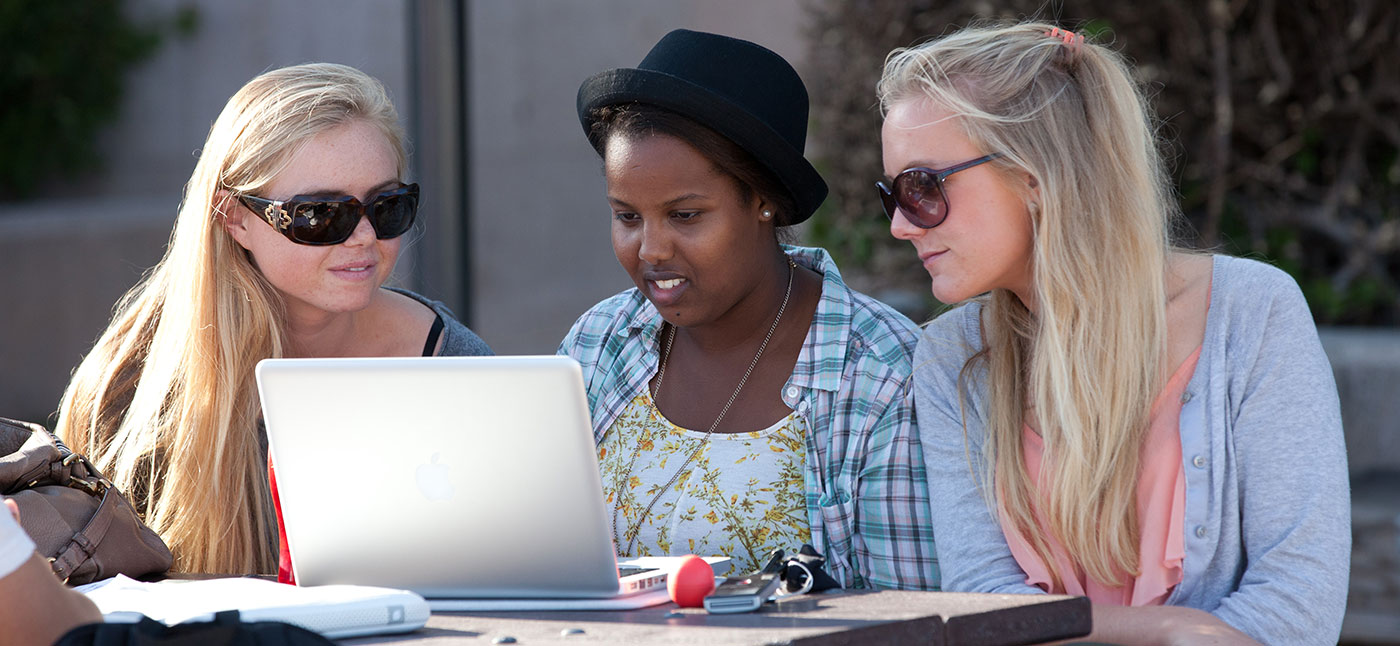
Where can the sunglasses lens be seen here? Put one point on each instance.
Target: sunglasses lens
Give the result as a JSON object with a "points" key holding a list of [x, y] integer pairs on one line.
{"points": [[920, 195], [393, 214], [324, 222]]}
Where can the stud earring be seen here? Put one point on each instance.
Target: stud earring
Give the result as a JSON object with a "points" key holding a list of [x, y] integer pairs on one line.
{"points": [[767, 215]]}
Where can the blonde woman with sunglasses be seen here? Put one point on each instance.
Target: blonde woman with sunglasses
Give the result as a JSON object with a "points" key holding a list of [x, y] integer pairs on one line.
{"points": [[1104, 414], [289, 228]]}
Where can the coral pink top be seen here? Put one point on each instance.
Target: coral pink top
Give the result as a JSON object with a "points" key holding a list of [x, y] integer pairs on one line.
{"points": [[1161, 507]]}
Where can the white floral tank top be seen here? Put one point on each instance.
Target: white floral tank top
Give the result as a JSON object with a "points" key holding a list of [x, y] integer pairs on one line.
{"points": [[741, 496]]}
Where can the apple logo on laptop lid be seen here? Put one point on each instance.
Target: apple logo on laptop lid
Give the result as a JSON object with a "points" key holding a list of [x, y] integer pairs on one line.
{"points": [[433, 481]]}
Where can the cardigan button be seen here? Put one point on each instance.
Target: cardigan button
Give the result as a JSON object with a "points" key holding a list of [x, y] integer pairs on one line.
{"points": [[1200, 531], [1186, 397], [1199, 462]]}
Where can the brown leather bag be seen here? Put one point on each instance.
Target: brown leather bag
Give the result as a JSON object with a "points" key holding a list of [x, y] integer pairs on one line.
{"points": [[79, 520]]}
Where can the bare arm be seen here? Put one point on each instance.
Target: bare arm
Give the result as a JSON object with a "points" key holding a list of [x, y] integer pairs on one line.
{"points": [[1161, 626], [38, 609]]}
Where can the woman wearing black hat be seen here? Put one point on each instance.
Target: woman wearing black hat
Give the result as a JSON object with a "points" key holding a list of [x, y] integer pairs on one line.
{"points": [[743, 397]]}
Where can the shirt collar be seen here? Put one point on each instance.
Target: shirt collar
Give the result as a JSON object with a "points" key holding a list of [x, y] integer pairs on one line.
{"points": [[822, 361]]}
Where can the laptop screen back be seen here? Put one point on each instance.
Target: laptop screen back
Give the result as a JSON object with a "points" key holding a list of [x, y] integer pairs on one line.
{"points": [[454, 477]]}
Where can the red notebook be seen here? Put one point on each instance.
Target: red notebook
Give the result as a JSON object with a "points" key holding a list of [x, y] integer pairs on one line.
{"points": [[284, 558]]}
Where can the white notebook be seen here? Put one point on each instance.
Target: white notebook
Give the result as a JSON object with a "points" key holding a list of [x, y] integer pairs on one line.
{"points": [[335, 611]]}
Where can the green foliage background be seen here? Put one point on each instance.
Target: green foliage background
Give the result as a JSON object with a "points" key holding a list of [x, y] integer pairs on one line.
{"points": [[1281, 118], [62, 67]]}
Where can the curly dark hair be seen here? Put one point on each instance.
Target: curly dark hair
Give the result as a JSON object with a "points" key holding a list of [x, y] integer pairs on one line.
{"points": [[636, 120]]}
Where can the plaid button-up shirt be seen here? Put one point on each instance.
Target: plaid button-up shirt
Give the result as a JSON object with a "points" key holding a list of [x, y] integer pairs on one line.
{"points": [[867, 497]]}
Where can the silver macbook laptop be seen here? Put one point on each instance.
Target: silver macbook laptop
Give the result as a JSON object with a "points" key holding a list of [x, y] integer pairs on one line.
{"points": [[454, 477]]}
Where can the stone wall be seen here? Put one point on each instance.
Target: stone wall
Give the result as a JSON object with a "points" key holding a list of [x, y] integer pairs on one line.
{"points": [[1366, 363], [1373, 605]]}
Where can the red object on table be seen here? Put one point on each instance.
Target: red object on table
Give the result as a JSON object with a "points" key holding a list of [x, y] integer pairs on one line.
{"points": [[284, 557], [691, 581]]}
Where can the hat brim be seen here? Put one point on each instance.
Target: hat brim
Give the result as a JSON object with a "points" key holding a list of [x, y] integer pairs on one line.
{"points": [[630, 85]]}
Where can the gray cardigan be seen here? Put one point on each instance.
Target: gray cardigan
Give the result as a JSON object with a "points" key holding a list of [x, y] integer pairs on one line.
{"points": [[1268, 515]]}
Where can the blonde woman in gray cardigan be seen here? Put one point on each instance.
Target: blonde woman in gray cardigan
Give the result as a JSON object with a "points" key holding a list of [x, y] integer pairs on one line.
{"points": [[1104, 415]]}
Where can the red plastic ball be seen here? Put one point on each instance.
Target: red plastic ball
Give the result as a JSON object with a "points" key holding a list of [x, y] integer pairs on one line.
{"points": [[691, 581]]}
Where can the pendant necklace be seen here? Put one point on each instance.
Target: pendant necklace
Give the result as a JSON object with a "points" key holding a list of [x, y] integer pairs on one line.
{"points": [[636, 527]]}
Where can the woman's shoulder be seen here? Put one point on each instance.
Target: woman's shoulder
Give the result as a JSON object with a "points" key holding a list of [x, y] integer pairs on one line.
{"points": [[945, 345], [1258, 309], [1251, 294], [1246, 279], [873, 325], [880, 327], [619, 312], [954, 332], [626, 305], [457, 339]]}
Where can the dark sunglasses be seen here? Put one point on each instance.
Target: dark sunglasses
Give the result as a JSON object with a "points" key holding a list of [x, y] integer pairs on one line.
{"points": [[327, 221], [918, 192]]}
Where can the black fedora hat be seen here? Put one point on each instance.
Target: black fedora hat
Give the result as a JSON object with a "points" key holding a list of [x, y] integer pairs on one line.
{"points": [[741, 90]]}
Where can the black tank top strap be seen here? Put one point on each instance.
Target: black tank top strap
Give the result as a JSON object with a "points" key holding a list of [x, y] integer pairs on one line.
{"points": [[433, 335]]}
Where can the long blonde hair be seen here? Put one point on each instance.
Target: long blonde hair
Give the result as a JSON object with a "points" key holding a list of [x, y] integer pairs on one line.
{"points": [[165, 404], [1087, 363]]}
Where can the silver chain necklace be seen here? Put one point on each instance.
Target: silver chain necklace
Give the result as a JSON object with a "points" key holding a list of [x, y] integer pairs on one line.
{"points": [[636, 527]]}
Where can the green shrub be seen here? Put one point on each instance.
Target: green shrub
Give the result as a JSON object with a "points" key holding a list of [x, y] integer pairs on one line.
{"points": [[1311, 180], [64, 65]]}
